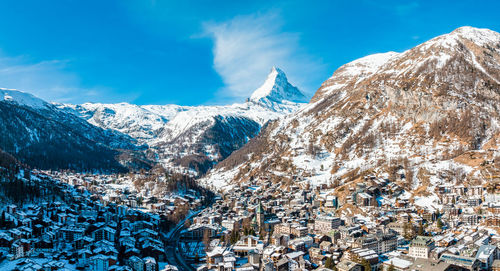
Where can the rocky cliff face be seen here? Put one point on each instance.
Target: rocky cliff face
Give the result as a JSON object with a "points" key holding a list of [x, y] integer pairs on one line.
{"points": [[421, 117]]}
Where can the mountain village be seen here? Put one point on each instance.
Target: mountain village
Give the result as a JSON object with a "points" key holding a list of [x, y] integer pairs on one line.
{"points": [[362, 178], [261, 225], [257, 225], [96, 225]]}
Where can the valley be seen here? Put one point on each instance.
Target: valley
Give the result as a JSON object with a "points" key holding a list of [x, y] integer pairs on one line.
{"points": [[393, 164]]}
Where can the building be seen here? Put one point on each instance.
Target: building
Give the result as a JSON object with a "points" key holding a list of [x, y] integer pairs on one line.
{"points": [[283, 265], [469, 263], [346, 265], [149, 264], [380, 242], [136, 263], [299, 231], [421, 247], [101, 262], [105, 233], [397, 263], [367, 254], [17, 250], [428, 265], [247, 244], [486, 254], [260, 215], [326, 224], [496, 265]]}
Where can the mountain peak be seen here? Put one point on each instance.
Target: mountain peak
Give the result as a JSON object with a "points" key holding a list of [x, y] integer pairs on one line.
{"points": [[479, 36], [21, 98], [277, 89], [380, 107], [474, 32]]}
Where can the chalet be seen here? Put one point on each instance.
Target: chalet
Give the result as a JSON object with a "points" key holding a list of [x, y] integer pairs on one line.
{"points": [[325, 246], [215, 256], [282, 265]]}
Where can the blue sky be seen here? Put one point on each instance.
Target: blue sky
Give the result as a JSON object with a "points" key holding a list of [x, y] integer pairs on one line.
{"points": [[205, 52]]}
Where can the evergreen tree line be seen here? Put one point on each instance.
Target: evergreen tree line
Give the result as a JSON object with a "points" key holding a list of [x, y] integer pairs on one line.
{"points": [[26, 190]]}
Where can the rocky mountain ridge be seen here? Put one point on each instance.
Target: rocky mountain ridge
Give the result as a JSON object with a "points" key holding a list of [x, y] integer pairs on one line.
{"points": [[194, 138], [189, 139], [423, 117], [42, 136]]}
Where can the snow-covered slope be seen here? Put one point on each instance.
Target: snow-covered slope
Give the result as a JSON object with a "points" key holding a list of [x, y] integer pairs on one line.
{"points": [[140, 122], [196, 137], [422, 117], [42, 136], [21, 98]]}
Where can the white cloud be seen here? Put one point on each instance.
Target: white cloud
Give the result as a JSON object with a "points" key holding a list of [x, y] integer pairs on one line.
{"points": [[48, 80], [246, 47]]}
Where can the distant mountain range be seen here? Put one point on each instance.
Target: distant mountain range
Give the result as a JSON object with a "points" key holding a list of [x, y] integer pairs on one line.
{"points": [[110, 137], [420, 118]]}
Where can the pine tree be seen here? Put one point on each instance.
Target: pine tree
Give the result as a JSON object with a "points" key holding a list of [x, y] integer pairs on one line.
{"points": [[440, 223], [421, 230], [235, 236], [366, 265], [329, 263]]}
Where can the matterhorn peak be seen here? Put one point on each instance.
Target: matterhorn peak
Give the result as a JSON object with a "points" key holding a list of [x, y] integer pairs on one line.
{"points": [[277, 89]]}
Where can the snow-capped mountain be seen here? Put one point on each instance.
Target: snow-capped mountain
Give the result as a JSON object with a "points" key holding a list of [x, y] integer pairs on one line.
{"points": [[277, 90], [195, 137], [40, 135], [422, 117], [20, 98]]}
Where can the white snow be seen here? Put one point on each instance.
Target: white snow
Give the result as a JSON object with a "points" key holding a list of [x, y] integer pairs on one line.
{"points": [[431, 203], [157, 125], [368, 64], [480, 36], [394, 147], [21, 98], [151, 124], [276, 88]]}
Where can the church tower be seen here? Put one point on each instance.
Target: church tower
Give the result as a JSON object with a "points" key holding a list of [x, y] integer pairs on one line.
{"points": [[260, 215]]}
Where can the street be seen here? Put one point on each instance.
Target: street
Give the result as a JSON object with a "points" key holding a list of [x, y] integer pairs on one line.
{"points": [[174, 256]]}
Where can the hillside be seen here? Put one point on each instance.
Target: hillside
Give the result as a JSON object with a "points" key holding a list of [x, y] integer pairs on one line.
{"points": [[42, 136], [423, 117]]}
